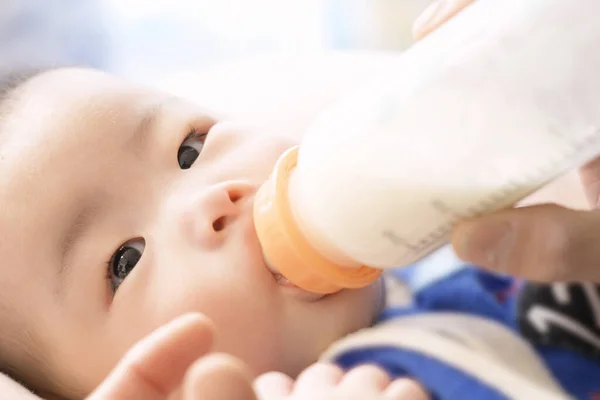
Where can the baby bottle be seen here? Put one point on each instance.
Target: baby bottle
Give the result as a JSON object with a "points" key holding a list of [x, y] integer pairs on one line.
{"points": [[496, 103]]}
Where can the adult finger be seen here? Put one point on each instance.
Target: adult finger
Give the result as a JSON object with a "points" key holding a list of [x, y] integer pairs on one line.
{"points": [[436, 14], [157, 364], [545, 243]]}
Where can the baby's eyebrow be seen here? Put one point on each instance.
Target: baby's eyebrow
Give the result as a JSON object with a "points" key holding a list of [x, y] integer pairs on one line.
{"points": [[75, 229], [140, 138]]}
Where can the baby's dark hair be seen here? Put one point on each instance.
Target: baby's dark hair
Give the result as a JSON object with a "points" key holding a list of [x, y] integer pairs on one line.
{"points": [[10, 82]]}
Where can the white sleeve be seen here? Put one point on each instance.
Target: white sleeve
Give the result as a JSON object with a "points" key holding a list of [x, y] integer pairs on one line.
{"points": [[478, 347]]}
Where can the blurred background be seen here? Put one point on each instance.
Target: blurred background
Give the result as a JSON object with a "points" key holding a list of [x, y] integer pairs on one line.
{"points": [[145, 40]]}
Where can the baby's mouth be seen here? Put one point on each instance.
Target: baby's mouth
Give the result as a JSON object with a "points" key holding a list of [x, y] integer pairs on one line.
{"points": [[282, 280], [279, 278], [286, 283]]}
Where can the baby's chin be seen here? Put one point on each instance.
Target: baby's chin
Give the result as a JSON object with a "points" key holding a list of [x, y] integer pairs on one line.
{"points": [[370, 300], [356, 308]]}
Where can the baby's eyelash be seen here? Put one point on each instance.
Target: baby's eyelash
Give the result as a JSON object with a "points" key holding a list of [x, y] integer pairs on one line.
{"points": [[108, 273], [194, 133]]}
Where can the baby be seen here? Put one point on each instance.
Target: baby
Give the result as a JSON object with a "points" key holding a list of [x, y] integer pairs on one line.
{"points": [[123, 208], [134, 207]]}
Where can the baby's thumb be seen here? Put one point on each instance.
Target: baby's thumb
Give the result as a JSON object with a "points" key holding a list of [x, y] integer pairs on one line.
{"points": [[542, 243], [156, 366], [436, 14]]}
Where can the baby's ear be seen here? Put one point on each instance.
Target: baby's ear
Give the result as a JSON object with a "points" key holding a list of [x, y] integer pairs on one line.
{"points": [[156, 366]]}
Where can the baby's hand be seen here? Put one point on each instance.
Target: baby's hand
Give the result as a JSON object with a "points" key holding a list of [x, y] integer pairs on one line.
{"points": [[325, 381], [173, 363]]}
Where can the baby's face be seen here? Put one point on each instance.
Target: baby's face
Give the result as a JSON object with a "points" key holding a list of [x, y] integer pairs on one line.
{"points": [[107, 234]]}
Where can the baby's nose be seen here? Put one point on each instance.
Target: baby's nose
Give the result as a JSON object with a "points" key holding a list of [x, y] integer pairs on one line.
{"points": [[208, 219]]}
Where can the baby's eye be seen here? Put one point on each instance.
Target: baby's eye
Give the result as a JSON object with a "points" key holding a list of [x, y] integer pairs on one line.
{"points": [[190, 149], [124, 260]]}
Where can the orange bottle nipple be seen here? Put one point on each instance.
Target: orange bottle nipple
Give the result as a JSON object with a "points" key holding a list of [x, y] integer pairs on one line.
{"points": [[287, 249]]}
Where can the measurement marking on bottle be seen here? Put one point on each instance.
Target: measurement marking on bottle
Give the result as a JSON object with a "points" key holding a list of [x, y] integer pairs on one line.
{"points": [[441, 207], [527, 175], [503, 194], [397, 240]]}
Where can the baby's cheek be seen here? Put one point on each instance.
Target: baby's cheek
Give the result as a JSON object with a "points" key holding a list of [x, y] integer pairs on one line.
{"points": [[250, 328]]}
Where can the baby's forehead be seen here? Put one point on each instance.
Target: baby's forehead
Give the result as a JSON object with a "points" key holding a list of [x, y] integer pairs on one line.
{"points": [[70, 111], [73, 96]]}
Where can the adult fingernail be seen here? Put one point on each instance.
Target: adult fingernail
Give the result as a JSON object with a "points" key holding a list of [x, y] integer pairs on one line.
{"points": [[592, 193], [431, 18], [484, 243]]}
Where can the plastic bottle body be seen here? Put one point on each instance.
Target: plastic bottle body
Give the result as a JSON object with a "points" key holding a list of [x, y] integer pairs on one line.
{"points": [[498, 102]]}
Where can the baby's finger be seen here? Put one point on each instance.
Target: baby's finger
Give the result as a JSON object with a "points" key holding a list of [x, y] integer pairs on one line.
{"points": [[365, 381], [436, 14], [218, 377], [156, 365], [405, 389], [273, 386], [317, 378]]}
